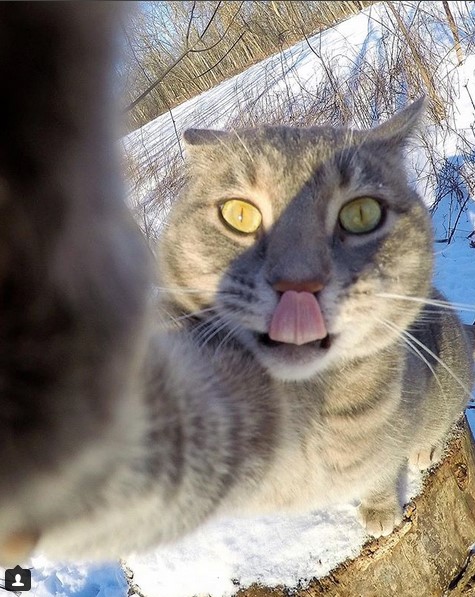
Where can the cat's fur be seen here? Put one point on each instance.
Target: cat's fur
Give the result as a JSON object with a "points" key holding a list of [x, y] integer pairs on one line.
{"points": [[74, 271], [117, 434], [356, 411]]}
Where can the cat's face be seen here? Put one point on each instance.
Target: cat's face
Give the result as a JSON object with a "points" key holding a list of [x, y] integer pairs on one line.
{"points": [[293, 234]]}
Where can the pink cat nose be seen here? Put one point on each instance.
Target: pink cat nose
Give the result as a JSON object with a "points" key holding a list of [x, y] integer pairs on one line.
{"points": [[301, 286]]}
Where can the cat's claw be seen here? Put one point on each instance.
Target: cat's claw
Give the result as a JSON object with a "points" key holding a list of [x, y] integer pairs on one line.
{"points": [[379, 522], [426, 457]]}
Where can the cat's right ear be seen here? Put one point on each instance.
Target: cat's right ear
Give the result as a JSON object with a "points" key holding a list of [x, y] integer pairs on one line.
{"points": [[402, 125]]}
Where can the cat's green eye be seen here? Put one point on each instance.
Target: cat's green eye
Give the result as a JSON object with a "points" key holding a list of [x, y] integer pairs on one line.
{"points": [[361, 215], [241, 215]]}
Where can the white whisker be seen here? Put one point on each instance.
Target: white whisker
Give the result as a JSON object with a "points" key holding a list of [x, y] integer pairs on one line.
{"points": [[203, 329], [180, 289], [428, 301], [246, 149], [192, 314], [407, 341], [214, 332], [468, 391], [227, 336], [208, 328]]}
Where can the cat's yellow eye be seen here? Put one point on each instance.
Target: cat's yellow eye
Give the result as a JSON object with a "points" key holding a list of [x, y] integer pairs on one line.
{"points": [[361, 215], [241, 215]]}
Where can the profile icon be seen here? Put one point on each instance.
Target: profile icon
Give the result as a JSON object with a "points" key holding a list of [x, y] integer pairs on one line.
{"points": [[17, 579]]}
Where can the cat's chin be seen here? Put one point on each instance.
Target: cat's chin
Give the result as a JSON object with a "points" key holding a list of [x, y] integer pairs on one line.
{"points": [[289, 362]]}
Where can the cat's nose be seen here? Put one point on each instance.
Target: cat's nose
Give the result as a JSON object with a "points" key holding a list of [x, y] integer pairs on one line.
{"points": [[298, 286]]}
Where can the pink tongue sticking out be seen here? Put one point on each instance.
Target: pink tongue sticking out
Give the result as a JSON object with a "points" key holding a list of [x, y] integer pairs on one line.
{"points": [[297, 319]]}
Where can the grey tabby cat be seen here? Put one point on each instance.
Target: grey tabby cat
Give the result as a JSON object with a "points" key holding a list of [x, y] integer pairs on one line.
{"points": [[308, 249], [307, 356]]}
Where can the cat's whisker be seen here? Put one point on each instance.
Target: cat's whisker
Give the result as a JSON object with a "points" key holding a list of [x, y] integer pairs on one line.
{"points": [[428, 316], [229, 335], [164, 321], [407, 341], [432, 302], [192, 315], [227, 146], [205, 327], [407, 334], [432, 317], [349, 137], [183, 290], [214, 332], [189, 290], [168, 319], [468, 391], [246, 149]]}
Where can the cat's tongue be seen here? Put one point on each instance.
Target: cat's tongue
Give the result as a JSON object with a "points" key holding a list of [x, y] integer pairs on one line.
{"points": [[297, 319]]}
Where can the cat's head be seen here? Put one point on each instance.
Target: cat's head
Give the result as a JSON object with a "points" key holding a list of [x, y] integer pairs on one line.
{"points": [[291, 235]]}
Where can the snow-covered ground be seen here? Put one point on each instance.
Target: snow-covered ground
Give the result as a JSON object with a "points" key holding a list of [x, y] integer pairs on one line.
{"points": [[101, 580], [223, 556]]}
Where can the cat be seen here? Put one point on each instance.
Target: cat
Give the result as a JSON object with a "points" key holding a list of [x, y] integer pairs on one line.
{"points": [[307, 357], [308, 248], [297, 353]]}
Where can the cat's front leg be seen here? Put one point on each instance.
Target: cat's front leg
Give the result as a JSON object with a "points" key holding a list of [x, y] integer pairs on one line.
{"points": [[380, 510], [75, 273]]}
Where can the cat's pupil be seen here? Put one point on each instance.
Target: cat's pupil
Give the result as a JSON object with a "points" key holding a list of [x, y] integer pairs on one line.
{"points": [[241, 215]]}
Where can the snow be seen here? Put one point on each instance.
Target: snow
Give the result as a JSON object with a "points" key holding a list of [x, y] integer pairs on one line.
{"points": [[80, 580], [225, 555], [222, 556], [106, 580]]}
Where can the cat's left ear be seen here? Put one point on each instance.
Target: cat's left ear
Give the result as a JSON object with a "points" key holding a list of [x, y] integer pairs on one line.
{"points": [[402, 125], [204, 137], [200, 143]]}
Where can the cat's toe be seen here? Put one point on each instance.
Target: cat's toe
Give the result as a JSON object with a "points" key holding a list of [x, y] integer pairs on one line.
{"points": [[426, 457], [379, 522]]}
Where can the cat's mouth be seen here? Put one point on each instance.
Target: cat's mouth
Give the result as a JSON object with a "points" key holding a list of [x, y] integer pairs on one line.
{"points": [[297, 341], [292, 362], [266, 340]]}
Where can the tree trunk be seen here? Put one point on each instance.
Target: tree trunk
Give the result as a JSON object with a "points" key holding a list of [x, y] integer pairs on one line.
{"points": [[428, 555]]}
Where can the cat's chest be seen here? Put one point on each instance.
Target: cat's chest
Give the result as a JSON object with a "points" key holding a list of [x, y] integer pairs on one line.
{"points": [[349, 416], [330, 450]]}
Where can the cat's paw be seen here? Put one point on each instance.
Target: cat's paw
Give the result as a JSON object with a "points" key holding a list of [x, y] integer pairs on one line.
{"points": [[426, 457], [379, 521]]}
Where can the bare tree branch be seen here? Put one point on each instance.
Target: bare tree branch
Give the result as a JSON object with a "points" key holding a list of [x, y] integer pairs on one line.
{"points": [[183, 55]]}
